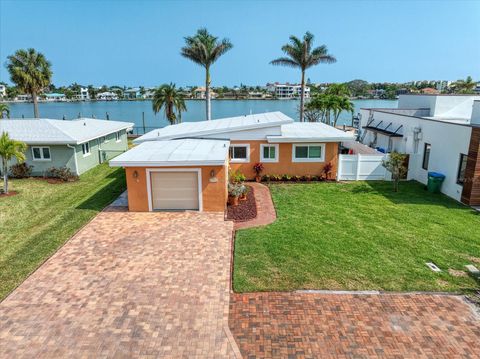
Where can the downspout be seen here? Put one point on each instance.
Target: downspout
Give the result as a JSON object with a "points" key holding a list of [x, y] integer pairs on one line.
{"points": [[75, 157]]}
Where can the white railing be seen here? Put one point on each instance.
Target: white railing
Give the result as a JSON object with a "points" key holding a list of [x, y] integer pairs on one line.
{"points": [[362, 167]]}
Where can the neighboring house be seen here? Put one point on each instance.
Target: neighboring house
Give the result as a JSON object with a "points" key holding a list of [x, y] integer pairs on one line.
{"points": [[83, 94], [23, 98], [3, 91], [132, 93], [107, 96], [78, 144], [201, 93], [440, 133], [287, 91], [53, 97], [185, 166]]}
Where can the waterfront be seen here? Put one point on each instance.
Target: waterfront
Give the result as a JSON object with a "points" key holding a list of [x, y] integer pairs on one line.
{"points": [[131, 111]]}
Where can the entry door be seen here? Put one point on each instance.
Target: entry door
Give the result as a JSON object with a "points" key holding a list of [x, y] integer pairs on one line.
{"points": [[174, 190]]}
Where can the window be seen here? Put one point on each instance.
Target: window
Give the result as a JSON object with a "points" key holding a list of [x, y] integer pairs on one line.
{"points": [[85, 149], [461, 169], [104, 139], [41, 153], [118, 138], [426, 155], [239, 153], [269, 153], [309, 153]]}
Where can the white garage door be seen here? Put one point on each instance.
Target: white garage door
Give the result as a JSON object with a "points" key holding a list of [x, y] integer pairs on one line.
{"points": [[174, 190]]}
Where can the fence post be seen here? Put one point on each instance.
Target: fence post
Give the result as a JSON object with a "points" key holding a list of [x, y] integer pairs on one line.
{"points": [[357, 176], [339, 169], [143, 121]]}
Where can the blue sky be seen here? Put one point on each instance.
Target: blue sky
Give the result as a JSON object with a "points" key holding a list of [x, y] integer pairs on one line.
{"points": [[137, 42]]}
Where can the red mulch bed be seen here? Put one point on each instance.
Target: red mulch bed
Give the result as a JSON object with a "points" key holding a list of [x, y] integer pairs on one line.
{"points": [[245, 211], [9, 194]]}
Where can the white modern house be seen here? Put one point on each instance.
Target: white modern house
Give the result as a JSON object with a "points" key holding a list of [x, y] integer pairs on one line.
{"points": [[287, 91], [107, 96], [440, 133], [3, 91]]}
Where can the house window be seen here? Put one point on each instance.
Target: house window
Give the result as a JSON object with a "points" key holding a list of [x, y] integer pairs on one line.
{"points": [[269, 153], [118, 138], [426, 155], [461, 169], [85, 149], [239, 153], [41, 153], [309, 153]]}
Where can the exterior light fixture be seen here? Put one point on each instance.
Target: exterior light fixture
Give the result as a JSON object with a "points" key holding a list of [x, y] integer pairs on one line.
{"points": [[213, 179]]}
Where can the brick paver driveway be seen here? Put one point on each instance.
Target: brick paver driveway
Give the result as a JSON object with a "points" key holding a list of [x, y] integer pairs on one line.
{"points": [[127, 285], [317, 325]]}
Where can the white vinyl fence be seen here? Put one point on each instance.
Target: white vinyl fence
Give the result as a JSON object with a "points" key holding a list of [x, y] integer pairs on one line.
{"points": [[362, 167]]}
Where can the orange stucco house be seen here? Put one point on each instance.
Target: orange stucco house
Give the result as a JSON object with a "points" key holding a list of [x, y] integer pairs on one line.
{"points": [[185, 166]]}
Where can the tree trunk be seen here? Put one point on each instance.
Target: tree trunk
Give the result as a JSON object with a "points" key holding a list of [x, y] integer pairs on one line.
{"points": [[302, 96], [35, 105], [5, 177], [207, 94]]}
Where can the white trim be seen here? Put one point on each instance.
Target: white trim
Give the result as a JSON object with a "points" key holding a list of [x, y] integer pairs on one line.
{"points": [[74, 157], [277, 153], [115, 163], [41, 159], [148, 172], [118, 134], [321, 159], [240, 160], [280, 139]]}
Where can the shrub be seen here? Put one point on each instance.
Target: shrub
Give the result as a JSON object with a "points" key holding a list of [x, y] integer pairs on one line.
{"points": [[295, 178], [266, 178], [62, 173], [286, 177], [258, 168], [21, 170], [315, 178], [237, 177], [327, 170], [235, 189]]}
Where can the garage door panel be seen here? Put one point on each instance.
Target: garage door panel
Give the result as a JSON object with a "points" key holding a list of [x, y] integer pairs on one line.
{"points": [[174, 190]]}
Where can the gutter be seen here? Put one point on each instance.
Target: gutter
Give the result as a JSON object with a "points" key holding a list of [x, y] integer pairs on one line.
{"points": [[75, 157]]}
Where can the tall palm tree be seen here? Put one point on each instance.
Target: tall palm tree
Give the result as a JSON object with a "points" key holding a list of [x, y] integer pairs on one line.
{"points": [[4, 110], [301, 55], [31, 72], [172, 102], [10, 148], [204, 49], [339, 104]]}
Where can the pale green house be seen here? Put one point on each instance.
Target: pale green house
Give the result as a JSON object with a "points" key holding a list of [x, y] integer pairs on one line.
{"points": [[78, 144]]}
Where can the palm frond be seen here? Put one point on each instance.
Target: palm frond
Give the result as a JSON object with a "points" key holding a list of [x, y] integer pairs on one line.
{"points": [[285, 61]]}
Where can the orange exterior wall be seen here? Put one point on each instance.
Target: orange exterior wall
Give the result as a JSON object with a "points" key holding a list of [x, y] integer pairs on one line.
{"points": [[285, 164], [214, 194]]}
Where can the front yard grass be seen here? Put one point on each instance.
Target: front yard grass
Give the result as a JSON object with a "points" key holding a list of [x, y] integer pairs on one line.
{"points": [[43, 216], [359, 236]]}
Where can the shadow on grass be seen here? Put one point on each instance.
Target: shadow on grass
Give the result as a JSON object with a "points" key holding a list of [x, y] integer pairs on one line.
{"points": [[106, 194], [410, 192]]}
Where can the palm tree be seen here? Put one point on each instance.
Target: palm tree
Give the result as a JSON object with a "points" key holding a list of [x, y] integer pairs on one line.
{"points": [[339, 104], [10, 148], [465, 86], [4, 110], [31, 72], [301, 55], [204, 49], [338, 90], [168, 97]]}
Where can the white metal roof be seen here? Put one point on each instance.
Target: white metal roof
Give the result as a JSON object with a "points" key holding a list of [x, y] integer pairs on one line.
{"points": [[47, 131], [310, 132], [186, 152], [224, 125]]}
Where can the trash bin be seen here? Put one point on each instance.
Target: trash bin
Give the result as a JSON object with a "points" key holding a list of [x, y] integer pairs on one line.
{"points": [[435, 181]]}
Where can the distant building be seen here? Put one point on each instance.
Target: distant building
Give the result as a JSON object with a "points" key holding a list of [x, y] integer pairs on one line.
{"points": [[3, 91], [132, 93], [107, 96], [201, 93], [287, 91], [54, 97], [23, 98], [256, 95], [429, 91]]}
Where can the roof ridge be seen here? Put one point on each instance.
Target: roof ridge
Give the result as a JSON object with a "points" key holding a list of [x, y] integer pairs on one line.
{"points": [[58, 128]]}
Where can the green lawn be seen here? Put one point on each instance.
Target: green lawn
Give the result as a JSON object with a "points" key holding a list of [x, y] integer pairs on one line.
{"points": [[37, 221], [358, 236]]}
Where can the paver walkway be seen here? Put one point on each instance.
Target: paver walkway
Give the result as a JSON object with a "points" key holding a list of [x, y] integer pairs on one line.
{"points": [[313, 325], [127, 285], [265, 210]]}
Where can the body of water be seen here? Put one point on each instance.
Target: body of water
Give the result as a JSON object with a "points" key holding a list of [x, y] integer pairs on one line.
{"points": [[131, 111]]}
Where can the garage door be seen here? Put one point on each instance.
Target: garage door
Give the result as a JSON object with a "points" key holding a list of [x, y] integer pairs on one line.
{"points": [[174, 190]]}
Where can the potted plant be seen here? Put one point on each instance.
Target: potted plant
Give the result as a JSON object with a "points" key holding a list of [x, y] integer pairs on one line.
{"points": [[234, 192], [258, 168], [244, 190]]}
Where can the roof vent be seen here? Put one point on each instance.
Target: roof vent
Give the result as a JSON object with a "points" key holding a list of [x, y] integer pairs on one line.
{"points": [[84, 123]]}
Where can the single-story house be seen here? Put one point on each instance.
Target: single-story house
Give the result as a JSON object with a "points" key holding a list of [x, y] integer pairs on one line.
{"points": [[77, 144], [185, 166]]}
